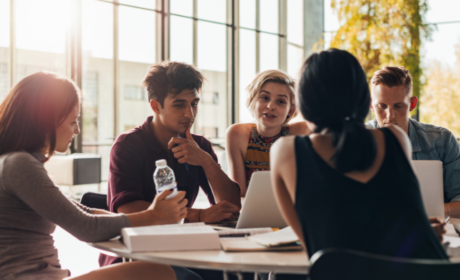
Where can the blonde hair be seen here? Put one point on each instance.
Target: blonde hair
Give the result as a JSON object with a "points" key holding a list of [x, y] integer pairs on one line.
{"points": [[264, 77], [392, 76]]}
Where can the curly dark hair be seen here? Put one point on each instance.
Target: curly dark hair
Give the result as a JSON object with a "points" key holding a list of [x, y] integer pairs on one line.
{"points": [[170, 77]]}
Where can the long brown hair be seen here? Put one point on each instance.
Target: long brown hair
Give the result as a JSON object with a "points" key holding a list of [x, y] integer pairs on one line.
{"points": [[33, 110]]}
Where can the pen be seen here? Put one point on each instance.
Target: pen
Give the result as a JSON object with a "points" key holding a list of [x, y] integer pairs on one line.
{"points": [[235, 235], [186, 165], [447, 220]]}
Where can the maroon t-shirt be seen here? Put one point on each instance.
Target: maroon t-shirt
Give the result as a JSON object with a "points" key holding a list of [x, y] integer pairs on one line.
{"points": [[132, 163]]}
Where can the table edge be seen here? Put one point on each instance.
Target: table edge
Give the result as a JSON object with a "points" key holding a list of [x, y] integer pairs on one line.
{"points": [[203, 265]]}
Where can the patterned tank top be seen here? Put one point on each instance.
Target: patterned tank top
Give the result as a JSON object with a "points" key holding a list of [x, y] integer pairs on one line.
{"points": [[257, 156]]}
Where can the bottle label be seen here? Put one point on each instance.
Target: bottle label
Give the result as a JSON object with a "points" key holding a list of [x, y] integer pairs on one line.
{"points": [[167, 187]]}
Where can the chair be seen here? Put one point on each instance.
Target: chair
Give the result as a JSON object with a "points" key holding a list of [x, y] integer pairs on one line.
{"points": [[95, 200], [335, 264]]}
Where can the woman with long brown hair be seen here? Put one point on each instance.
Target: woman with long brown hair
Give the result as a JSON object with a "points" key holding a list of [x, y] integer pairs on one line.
{"points": [[38, 117]]}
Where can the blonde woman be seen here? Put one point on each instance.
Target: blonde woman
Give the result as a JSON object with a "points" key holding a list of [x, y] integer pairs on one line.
{"points": [[271, 102]]}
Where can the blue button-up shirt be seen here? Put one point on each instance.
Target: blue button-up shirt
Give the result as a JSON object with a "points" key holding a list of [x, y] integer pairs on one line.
{"points": [[430, 142]]}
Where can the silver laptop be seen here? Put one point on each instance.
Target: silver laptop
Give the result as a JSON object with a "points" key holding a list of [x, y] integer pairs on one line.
{"points": [[430, 179], [260, 208]]}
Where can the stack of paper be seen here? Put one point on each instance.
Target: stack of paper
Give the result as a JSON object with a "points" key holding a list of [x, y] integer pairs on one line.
{"points": [[243, 232], [282, 240], [276, 238], [171, 238]]}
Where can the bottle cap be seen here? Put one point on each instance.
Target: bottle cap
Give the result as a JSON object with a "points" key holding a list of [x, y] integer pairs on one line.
{"points": [[160, 163]]}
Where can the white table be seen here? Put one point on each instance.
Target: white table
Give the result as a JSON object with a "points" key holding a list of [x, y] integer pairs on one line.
{"points": [[292, 262]]}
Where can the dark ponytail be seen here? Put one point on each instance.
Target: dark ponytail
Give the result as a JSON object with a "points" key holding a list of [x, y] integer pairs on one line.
{"points": [[334, 95]]}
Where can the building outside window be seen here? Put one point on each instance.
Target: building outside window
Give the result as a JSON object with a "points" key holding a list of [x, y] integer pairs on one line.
{"points": [[107, 47]]}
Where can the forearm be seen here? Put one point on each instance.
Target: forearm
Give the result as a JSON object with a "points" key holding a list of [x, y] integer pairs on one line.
{"points": [[222, 187], [144, 218], [238, 174], [193, 215], [101, 212], [133, 207], [452, 209]]}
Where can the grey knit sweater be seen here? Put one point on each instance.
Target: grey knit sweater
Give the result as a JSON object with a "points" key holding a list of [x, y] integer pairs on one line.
{"points": [[30, 208]]}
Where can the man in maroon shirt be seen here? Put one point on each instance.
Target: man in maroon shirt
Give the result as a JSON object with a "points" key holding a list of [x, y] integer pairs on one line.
{"points": [[173, 93]]}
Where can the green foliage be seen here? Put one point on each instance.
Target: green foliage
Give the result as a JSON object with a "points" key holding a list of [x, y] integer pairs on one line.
{"points": [[382, 33], [441, 95]]}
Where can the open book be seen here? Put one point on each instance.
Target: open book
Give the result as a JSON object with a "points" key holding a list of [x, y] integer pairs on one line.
{"points": [[282, 240], [276, 238]]}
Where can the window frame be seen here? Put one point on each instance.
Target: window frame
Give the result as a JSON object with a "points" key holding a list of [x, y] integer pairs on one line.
{"points": [[162, 52]]}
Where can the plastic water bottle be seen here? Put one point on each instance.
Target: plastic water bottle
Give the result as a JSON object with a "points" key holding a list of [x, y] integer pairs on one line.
{"points": [[164, 178]]}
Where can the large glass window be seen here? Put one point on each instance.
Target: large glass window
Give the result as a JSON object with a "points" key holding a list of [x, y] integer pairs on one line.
{"points": [[181, 7], [213, 10], [181, 48], [247, 70], [212, 62], [247, 14], [149, 4], [294, 37], [108, 46], [269, 56], [137, 52], [40, 36], [98, 79], [269, 15]]}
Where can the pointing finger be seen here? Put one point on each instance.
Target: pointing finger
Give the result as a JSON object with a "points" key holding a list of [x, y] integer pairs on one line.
{"points": [[188, 134], [175, 141]]}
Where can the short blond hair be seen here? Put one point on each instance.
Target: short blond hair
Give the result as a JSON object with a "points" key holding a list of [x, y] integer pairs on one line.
{"points": [[392, 76], [264, 77]]}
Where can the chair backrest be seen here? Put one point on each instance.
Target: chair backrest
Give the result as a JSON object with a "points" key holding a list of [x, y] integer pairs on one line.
{"points": [[95, 200], [335, 264]]}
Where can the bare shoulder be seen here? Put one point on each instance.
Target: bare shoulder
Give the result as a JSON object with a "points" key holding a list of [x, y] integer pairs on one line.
{"points": [[299, 128], [237, 137], [239, 130], [282, 149], [283, 166]]}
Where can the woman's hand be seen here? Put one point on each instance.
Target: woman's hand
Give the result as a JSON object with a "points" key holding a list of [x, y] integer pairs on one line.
{"points": [[168, 211]]}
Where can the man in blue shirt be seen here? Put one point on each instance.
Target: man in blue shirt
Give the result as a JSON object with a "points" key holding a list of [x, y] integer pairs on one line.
{"points": [[392, 100]]}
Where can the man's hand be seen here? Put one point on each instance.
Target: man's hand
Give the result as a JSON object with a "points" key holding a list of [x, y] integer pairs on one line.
{"points": [[221, 211], [168, 211], [186, 150], [438, 226]]}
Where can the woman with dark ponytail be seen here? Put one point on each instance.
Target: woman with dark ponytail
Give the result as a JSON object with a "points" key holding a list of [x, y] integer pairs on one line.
{"points": [[345, 186]]}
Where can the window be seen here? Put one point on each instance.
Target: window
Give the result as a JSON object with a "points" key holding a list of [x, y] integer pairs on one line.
{"points": [[135, 93], [295, 52], [108, 46], [90, 105], [98, 118], [40, 36], [3, 80]]}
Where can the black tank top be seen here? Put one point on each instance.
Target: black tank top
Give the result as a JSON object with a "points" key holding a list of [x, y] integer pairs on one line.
{"points": [[383, 216]]}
